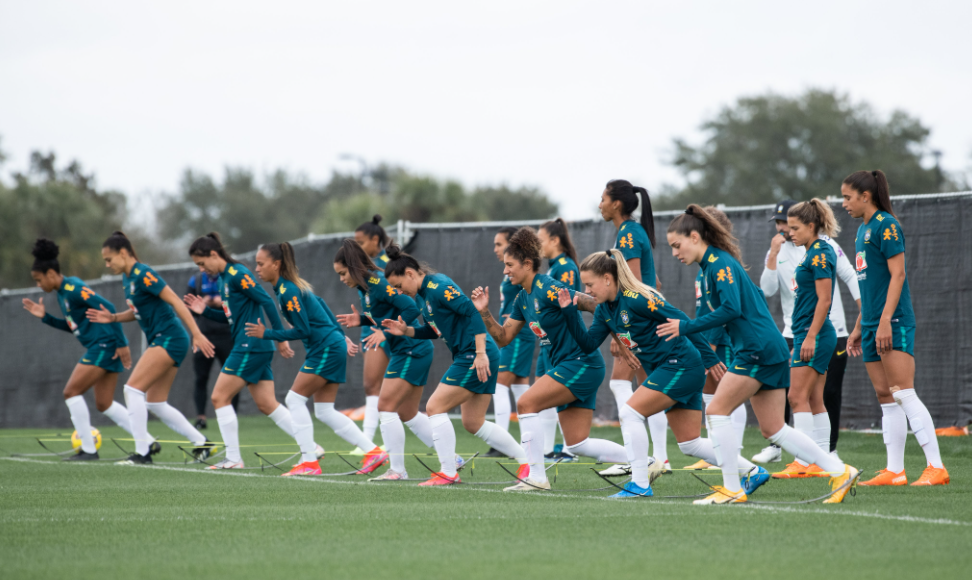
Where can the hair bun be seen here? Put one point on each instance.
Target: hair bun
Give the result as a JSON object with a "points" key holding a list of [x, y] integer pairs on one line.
{"points": [[45, 249], [376, 219], [119, 233], [214, 236], [393, 252]]}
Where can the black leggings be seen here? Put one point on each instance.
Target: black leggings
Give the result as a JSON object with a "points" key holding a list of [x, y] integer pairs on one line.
{"points": [[833, 388], [223, 344]]}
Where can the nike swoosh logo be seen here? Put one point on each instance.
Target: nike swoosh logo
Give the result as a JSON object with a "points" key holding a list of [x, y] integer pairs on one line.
{"points": [[502, 366], [392, 373], [228, 370], [783, 261], [450, 379], [558, 374], [739, 368], [840, 352], [85, 360], [653, 384], [309, 368]]}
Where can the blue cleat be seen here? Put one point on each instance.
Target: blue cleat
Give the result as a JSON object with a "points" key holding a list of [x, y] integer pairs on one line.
{"points": [[754, 479], [460, 462], [631, 489]]}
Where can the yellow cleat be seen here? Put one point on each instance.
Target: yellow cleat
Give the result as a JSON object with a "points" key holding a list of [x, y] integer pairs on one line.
{"points": [[842, 484], [722, 496], [700, 465]]}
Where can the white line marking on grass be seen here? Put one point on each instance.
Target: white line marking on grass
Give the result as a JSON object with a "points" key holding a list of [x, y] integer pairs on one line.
{"points": [[462, 488]]}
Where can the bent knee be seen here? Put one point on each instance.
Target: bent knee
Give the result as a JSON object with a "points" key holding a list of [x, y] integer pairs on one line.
{"points": [[473, 425], [267, 407]]}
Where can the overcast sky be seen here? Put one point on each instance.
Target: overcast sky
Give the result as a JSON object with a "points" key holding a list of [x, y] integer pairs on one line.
{"points": [[562, 95]]}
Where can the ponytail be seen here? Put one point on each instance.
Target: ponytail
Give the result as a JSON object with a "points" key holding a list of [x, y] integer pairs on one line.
{"points": [[612, 262], [695, 219], [284, 253], [558, 228], [118, 241], [819, 214], [359, 264], [373, 229], [45, 254], [630, 196], [208, 244], [525, 245], [876, 183], [399, 261], [720, 217]]}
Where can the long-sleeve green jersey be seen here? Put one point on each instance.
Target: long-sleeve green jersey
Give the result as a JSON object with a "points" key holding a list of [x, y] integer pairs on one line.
{"points": [[508, 292], [311, 320], [450, 315], [717, 335], [75, 299], [243, 299], [385, 302], [142, 288]]}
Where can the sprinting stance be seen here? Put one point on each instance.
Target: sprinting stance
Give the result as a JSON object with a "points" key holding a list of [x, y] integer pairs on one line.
{"points": [[155, 306], [557, 247], [471, 380], [759, 372], [570, 383], [516, 358], [409, 359], [325, 365], [373, 239], [631, 311], [636, 239], [721, 344], [885, 329], [107, 348], [249, 363], [814, 336]]}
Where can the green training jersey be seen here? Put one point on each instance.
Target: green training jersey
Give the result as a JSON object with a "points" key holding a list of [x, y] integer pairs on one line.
{"points": [[877, 240], [75, 299], [538, 308], [818, 263], [385, 302], [142, 288], [311, 320], [564, 270], [243, 299], [508, 292], [717, 335], [450, 315], [633, 242], [740, 306]]}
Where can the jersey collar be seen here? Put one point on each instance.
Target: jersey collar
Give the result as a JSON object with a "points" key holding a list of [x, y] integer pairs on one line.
{"points": [[710, 251], [554, 260], [422, 285]]}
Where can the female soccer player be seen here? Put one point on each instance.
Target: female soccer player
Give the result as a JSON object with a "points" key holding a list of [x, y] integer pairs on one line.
{"points": [[619, 201], [573, 376], [557, 247], [249, 363], [471, 380], [759, 371], [373, 239], [814, 336], [410, 359], [885, 329], [631, 310], [719, 341], [325, 365], [107, 348], [155, 306], [516, 358]]}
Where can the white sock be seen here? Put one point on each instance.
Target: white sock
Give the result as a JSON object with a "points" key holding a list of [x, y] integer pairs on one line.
{"points": [[81, 418], [600, 450], [548, 426], [803, 447], [501, 441], [635, 444], [531, 430], [422, 428], [119, 414], [803, 422], [706, 399], [921, 424], [723, 439], [703, 449], [281, 416], [303, 425], [821, 431], [371, 419], [138, 418], [739, 423], [444, 437], [658, 427], [894, 425], [501, 406], [518, 391], [229, 429], [177, 422], [622, 392], [343, 426], [393, 434]]}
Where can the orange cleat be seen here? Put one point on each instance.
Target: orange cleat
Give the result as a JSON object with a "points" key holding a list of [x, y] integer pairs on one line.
{"points": [[523, 472], [305, 468], [885, 477], [439, 478], [797, 471], [933, 476], [700, 465], [952, 431], [373, 460]]}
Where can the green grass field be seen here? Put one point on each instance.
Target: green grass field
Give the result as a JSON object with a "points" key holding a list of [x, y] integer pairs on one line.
{"points": [[98, 520]]}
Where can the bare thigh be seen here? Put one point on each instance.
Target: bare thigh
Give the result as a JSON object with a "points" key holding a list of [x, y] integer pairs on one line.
{"points": [[394, 394], [544, 394], [734, 390], [620, 371], [82, 378], [226, 387], [575, 423], [104, 389], [474, 412], [264, 397], [899, 368], [648, 402], [685, 424], [508, 378], [875, 370], [158, 392], [307, 385], [768, 407], [375, 365], [803, 380], [445, 398], [151, 366]]}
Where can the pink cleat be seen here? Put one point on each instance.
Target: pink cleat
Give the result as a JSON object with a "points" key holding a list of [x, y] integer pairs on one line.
{"points": [[373, 460], [305, 468], [439, 478]]}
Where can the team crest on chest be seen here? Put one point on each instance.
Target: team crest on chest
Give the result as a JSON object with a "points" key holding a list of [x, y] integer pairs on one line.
{"points": [[624, 317], [428, 306], [867, 235], [131, 287], [536, 305]]}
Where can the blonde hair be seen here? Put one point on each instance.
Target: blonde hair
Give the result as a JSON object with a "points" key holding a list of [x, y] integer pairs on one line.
{"points": [[818, 213], [612, 262]]}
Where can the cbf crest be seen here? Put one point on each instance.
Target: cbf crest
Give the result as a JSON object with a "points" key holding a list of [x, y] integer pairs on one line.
{"points": [[624, 317], [867, 236], [536, 305]]}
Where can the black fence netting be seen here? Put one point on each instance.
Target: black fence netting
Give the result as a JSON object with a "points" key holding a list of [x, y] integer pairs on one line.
{"points": [[36, 360]]}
